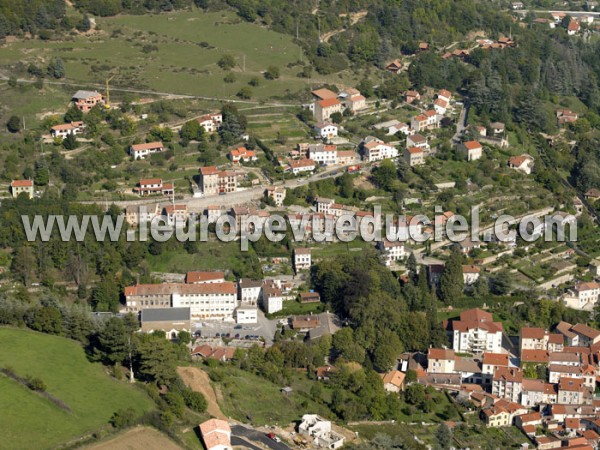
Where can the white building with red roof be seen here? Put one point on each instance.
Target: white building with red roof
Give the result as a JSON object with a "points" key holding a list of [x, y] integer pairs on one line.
{"points": [[152, 186], [298, 166], [140, 151], [523, 163], [205, 300], [216, 434], [63, 130], [440, 106], [470, 274], [414, 156], [507, 383], [214, 181], [323, 109], [475, 332], [211, 122], [324, 154], [242, 154], [353, 100], [417, 140], [472, 150], [376, 150], [425, 121], [21, 186], [440, 360], [444, 94]]}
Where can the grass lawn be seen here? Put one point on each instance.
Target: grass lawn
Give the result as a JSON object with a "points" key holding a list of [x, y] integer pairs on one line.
{"points": [[295, 308], [249, 398], [212, 255], [35, 422]]}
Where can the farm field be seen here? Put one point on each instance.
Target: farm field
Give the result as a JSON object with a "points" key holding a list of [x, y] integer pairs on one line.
{"points": [[61, 364], [139, 438]]}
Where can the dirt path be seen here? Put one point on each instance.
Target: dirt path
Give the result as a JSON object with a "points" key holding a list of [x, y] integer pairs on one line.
{"points": [[139, 438], [354, 18], [197, 380]]}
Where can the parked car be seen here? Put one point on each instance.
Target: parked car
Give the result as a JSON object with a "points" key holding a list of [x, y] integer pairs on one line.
{"points": [[273, 436]]}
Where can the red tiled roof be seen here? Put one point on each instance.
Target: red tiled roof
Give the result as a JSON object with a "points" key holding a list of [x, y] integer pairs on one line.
{"points": [[586, 331], [209, 170], [324, 94], [570, 384], [301, 163], [540, 356], [21, 183], [195, 277], [472, 145], [517, 160], [440, 353], [530, 417], [470, 269], [508, 374], [495, 359], [67, 126], [329, 102], [147, 146], [589, 286], [214, 425], [148, 181], [394, 377], [532, 333]]}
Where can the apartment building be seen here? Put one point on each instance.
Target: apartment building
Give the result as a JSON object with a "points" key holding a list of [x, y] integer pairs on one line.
{"points": [[214, 181]]}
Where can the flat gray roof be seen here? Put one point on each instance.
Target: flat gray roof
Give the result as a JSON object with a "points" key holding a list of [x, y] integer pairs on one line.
{"points": [[84, 94], [165, 314]]}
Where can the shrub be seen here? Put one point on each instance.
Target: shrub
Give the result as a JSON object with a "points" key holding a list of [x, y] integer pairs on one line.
{"points": [[195, 401], [123, 418], [36, 384]]}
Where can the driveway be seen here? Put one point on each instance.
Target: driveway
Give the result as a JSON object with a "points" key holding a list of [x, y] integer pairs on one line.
{"points": [[240, 431], [238, 441]]}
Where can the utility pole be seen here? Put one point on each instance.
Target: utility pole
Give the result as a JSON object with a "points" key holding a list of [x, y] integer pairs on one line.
{"points": [[244, 63], [24, 127]]}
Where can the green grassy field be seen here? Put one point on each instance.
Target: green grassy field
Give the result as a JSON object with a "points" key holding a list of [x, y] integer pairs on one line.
{"points": [[249, 398], [175, 53], [35, 422], [212, 255]]}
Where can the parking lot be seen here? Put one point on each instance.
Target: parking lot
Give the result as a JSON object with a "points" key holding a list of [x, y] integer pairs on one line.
{"points": [[264, 328]]}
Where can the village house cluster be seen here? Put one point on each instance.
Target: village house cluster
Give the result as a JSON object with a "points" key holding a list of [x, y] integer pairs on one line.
{"points": [[544, 383]]}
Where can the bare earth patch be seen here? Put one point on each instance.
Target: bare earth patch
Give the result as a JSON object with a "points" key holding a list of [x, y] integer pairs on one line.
{"points": [[197, 380], [139, 438]]}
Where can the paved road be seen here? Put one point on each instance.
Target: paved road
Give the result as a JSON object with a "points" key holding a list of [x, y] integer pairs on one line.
{"points": [[257, 436], [238, 441], [232, 199], [548, 11], [461, 123]]}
